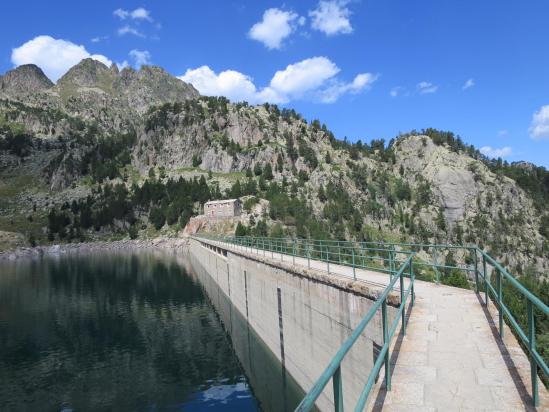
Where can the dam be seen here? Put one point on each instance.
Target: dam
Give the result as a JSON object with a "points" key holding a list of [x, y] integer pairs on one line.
{"points": [[356, 338], [257, 324], [301, 317]]}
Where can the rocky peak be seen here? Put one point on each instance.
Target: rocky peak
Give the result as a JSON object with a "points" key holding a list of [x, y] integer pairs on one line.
{"points": [[114, 69], [24, 79], [527, 166], [90, 85], [88, 73], [151, 85]]}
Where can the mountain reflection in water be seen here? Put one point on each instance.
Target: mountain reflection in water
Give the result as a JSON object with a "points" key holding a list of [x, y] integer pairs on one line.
{"points": [[104, 332]]}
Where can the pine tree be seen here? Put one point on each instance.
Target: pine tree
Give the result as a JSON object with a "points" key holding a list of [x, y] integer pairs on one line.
{"points": [[240, 230], [268, 172], [279, 164]]}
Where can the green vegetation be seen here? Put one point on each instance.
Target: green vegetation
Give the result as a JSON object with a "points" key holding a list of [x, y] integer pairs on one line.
{"points": [[197, 160], [532, 179], [120, 209], [109, 155], [517, 304], [14, 139]]}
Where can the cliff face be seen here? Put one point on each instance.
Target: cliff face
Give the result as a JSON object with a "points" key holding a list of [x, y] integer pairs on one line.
{"points": [[24, 80], [129, 121]]}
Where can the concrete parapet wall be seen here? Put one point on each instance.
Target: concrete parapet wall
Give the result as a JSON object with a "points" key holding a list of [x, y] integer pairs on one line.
{"points": [[303, 316]]}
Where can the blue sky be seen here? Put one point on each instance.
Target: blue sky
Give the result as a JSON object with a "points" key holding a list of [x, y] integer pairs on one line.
{"points": [[368, 69]]}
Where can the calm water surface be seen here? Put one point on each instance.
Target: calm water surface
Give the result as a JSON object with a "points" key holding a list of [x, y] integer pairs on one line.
{"points": [[114, 332]]}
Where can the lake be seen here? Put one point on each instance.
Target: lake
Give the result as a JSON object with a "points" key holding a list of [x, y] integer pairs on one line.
{"points": [[127, 332]]}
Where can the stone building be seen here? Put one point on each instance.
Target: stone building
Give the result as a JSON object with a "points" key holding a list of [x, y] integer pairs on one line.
{"points": [[222, 208]]}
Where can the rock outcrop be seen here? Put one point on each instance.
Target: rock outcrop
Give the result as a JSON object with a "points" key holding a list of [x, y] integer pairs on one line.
{"points": [[24, 80]]}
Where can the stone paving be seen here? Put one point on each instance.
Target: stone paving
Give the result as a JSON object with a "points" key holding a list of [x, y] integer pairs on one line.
{"points": [[452, 357]]}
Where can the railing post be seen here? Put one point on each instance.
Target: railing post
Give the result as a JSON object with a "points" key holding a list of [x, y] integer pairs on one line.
{"points": [[338, 390], [353, 257], [412, 277], [476, 268], [486, 280], [532, 348], [391, 261], [293, 251], [403, 303], [385, 342], [328, 259], [500, 302], [308, 255], [390, 265], [436, 265]]}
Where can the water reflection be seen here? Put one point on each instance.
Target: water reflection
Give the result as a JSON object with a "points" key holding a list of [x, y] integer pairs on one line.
{"points": [[272, 385], [109, 332]]}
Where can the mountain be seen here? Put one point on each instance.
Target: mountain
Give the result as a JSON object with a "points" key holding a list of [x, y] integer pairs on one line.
{"points": [[24, 80], [135, 90], [107, 153]]}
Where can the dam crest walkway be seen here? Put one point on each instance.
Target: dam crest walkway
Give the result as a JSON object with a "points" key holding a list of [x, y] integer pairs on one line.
{"points": [[452, 357]]}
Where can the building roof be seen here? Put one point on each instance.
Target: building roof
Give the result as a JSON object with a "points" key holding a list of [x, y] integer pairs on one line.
{"points": [[213, 202]]}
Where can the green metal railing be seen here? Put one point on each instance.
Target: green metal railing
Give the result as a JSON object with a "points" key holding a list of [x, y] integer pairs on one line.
{"points": [[357, 255], [333, 371], [396, 260], [528, 337]]}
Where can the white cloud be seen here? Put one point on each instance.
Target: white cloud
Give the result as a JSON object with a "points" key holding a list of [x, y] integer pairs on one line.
{"points": [[502, 132], [468, 84], [312, 79], [127, 29], [331, 17], [121, 13], [361, 82], [122, 65], [539, 129], [53, 56], [141, 14], [495, 152], [140, 57], [230, 83], [275, 27], [99, 39], [394, 92], [137, 14], [306, 75], [426, 87]]}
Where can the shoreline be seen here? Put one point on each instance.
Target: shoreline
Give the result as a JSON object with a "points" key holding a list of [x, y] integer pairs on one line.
{"points": [[173, 244]]}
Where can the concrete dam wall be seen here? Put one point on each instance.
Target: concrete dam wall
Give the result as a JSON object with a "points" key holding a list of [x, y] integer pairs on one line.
{"points": [[302, 318]]}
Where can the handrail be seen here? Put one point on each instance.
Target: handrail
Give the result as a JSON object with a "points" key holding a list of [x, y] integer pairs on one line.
{"points": [[382, 259], [386, 256], [528, 337], [333, 370], [326, 248]]}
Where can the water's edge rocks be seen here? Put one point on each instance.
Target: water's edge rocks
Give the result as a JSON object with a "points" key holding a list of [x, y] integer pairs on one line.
{"points": [[170, 244]]}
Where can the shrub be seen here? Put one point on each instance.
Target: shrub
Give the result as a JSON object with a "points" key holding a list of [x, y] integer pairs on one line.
{"points": [[197, 161]]}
